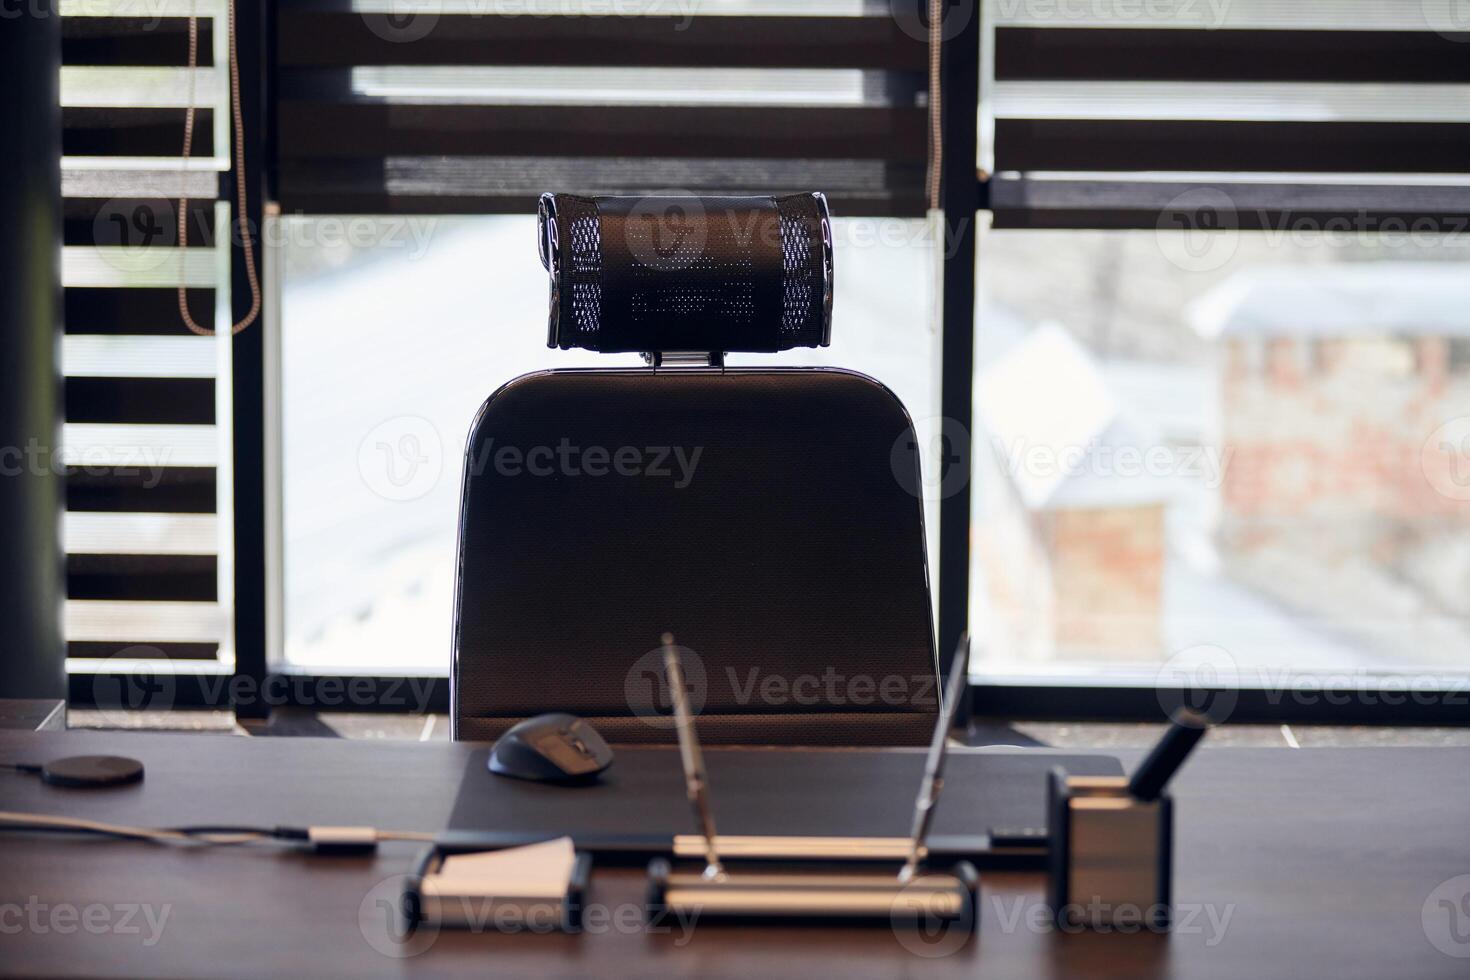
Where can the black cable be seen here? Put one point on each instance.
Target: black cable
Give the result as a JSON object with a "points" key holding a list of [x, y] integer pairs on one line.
{"points": [[20, 767]]}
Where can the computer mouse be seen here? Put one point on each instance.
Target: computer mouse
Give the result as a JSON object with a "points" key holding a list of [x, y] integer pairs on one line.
{"points": [[551, 748]]}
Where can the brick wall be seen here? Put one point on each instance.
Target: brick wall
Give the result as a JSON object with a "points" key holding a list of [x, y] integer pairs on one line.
{"points": [[1107, 577], [1331, 432]]}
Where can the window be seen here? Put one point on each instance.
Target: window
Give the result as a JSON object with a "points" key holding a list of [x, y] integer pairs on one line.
{"points": [[1222, 304], [390, 346], [1164, 463]]}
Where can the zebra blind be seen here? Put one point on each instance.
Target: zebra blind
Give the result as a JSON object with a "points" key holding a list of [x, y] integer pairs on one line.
{"points": [[479, 105], [1102, 115], [146, 433]]}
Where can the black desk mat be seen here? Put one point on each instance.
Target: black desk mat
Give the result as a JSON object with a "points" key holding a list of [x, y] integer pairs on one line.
{"points": [[848, 793]]}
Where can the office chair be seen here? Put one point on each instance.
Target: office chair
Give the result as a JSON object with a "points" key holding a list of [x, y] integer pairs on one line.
{"points": [[764, 516]]}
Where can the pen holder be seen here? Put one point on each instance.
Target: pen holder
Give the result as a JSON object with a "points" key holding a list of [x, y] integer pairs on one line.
{"points": [[1111, 854]]}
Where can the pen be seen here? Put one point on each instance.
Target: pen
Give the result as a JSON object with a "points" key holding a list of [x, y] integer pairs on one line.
{"points": [[1150, 778], [933, 781], [695, 781]]}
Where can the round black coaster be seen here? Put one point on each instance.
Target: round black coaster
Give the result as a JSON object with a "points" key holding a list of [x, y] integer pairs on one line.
{"points": [[92, 770]]}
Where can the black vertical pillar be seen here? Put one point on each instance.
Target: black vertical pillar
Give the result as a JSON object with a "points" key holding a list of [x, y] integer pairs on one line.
{"points": [[959, 197], [32, 663], [248, 378]]}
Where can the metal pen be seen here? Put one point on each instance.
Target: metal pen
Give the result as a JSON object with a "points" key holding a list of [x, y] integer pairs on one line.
{"points": [[696, 783], [933, 781]]}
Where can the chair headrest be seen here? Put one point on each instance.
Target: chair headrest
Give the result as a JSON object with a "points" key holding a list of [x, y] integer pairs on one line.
{"points": [[659, 274]]}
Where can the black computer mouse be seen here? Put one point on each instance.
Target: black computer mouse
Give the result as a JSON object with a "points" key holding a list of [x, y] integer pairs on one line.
{"points": [[553, 748]]}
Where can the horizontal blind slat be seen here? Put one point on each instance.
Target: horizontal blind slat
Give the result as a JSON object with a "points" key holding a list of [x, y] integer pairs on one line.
{"points": [[146, 578], [307, 38], [123, 356], [86, 620], [147, 446], [101, 533], [1140, 54], [151, 489], [340, 130], [109, 266]]}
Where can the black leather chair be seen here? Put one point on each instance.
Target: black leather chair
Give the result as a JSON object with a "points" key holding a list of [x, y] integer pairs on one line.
{"points": [[763, 516]]}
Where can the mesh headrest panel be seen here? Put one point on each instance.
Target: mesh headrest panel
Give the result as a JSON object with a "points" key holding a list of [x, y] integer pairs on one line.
{"points": [[688, 273]]}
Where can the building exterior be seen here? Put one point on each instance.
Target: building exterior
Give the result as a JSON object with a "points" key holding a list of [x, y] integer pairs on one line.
{"points": [[1348, 483], [1070, 534]]}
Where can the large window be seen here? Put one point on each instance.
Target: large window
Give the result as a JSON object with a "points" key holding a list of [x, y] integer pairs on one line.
{"points": [[390, 345], [1245, 450]]}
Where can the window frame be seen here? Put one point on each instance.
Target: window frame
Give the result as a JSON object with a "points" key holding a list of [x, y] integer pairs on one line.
{"points": [[257, 686]]}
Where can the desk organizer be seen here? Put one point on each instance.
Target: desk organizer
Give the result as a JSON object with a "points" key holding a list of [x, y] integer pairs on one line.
{"points": [[477, 909], [861, 894], [1111, 854]]}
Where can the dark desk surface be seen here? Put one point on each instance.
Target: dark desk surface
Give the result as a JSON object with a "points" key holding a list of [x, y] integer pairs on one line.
{"points": [[1300, 864]]}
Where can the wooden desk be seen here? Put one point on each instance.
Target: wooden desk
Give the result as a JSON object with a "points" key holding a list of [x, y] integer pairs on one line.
{"points": [[1314, 863]]}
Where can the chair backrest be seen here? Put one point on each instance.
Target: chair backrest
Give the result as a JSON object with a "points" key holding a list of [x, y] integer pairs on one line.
{"points": [[765, 517]]}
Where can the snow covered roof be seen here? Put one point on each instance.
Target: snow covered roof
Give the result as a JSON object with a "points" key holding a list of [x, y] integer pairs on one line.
{"points": [[1344, 299]]}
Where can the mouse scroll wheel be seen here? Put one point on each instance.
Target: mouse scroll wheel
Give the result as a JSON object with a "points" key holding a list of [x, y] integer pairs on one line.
{"points": [[580, 746]]}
